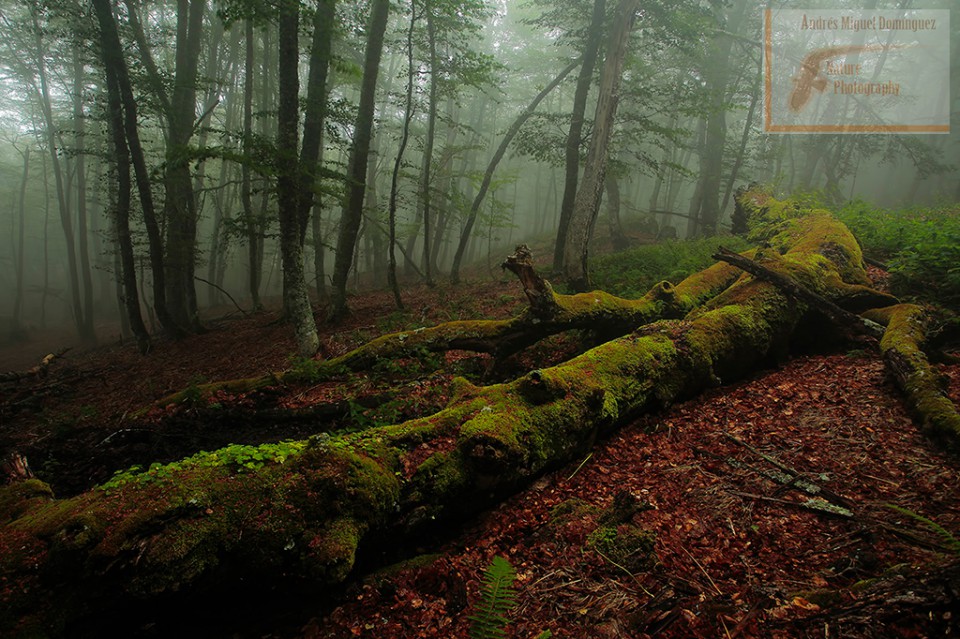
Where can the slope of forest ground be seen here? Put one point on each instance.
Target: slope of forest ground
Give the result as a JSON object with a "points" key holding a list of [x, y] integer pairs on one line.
{"points": [[735, 551]]}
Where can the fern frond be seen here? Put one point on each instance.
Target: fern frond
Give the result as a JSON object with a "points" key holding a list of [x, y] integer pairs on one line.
{"points": [[497, 598], [950, 542]]}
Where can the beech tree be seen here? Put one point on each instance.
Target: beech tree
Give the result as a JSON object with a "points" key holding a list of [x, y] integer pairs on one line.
{"points": [[590, 190], [356, 171], [296, 301]]}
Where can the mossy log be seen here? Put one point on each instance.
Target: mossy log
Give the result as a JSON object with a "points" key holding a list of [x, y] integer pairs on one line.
{"points": [[549, 313], [300, 512], [922, 385]]}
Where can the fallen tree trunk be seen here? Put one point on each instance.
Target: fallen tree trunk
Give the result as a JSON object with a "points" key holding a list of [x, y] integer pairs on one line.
{"points": [[913, 375], [300, 511]]}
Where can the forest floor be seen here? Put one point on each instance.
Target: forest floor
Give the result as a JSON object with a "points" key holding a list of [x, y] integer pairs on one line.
{"points": [[802, 502]]}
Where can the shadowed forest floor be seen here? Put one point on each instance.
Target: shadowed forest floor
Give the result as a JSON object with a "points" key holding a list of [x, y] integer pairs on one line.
{"points": [[723, 481]]}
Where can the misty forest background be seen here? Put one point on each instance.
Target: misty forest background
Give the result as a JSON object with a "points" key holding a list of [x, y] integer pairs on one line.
{"points": [[157, 158]]}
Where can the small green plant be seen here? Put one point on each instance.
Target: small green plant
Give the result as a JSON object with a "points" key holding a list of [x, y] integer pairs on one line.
{"points": [[193, 396], [948, 540], [497, 598], [238, 457], [920, 245]]}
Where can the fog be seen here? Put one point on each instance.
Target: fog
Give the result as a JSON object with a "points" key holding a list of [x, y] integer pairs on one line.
{"points": [[457, 82]]}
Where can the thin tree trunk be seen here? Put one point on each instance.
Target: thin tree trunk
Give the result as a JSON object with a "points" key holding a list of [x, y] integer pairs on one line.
{"points": [[121, 155], [353, 208], [18, 299], [404, 137], [617, 236], [66, 222], [575, 133], [425, 180], [113, 59], [86, 276], [316, 107], [744, 138], [254, 241], [590, 192], [492, 166], [296, 301]]}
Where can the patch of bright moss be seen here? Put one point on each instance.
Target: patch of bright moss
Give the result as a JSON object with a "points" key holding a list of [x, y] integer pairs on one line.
{"points": [[626, 545]]}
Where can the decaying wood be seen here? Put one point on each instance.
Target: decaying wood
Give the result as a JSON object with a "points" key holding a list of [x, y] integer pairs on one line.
{"points": [[873, 609], [797, 478], [38, 371], [300, 513], [15, 468], [839, 315], [914, 376]]}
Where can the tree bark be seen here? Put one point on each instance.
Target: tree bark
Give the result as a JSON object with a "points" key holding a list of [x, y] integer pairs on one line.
{"points": [[316, 107], [179, 203], [121, 217], [21, 209], [254, 238], [111, 44], [394, 178], [296, 301], [575, 133], [83, 243], [300, 512], [590, 191], [353, 208], [425, 196]]}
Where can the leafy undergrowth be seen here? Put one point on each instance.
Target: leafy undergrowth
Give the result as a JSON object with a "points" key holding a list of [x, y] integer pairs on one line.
{"points": [[921, 247], [631, 273]]}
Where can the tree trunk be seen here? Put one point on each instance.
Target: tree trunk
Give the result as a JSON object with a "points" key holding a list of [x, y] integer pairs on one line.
{"points": [[296, 301], [404, 137], [316, 106], [179, 204], [492, 166], [718, 76], [192, 531], [66, 221], [425, 174], [254, 239], [83, 244], [590, 191], [575, 133], [113, 58], [353, 208], [127, 274], [21, 209], [617, 237]]}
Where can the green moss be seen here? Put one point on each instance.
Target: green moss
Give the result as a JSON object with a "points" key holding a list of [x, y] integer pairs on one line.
{"points": [[900, 345], [332, 553], [627, 546], [572, 509], [19, 497]]}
